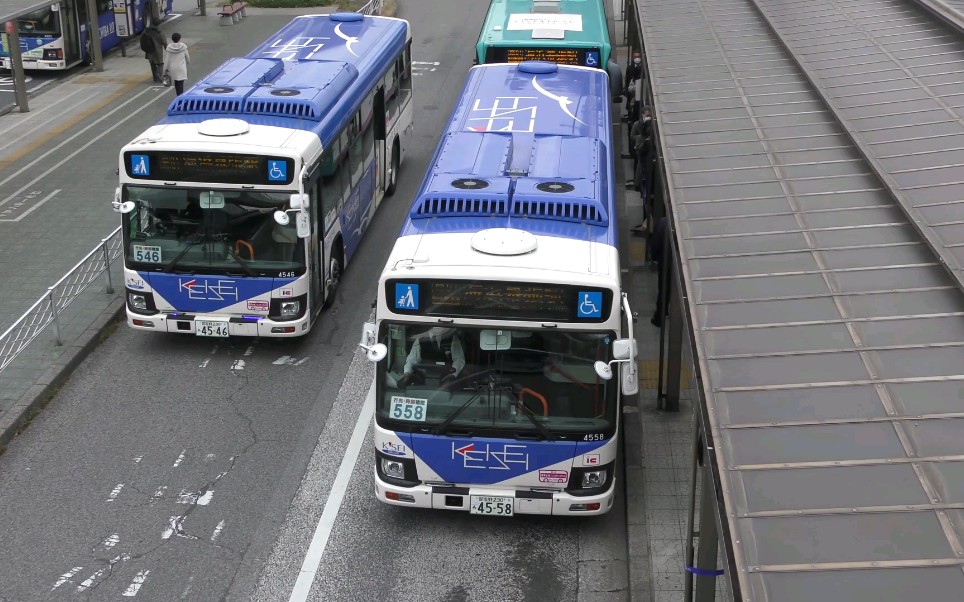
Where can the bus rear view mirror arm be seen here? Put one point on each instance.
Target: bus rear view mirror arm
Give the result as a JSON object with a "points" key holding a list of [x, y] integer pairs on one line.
{"points": [[118, 205], [376, 352]]}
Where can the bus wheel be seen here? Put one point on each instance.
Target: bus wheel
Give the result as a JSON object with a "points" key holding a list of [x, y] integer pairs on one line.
{"points": [[393, 171], [334, 274]]}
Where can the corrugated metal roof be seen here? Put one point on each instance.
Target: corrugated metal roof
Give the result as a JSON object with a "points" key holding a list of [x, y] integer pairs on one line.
{"points": [[11, 9], [893, 75], [829, 333]]}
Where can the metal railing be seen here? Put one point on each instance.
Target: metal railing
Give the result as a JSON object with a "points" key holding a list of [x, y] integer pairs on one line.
{"points": [[48, 308], [374, 7]]}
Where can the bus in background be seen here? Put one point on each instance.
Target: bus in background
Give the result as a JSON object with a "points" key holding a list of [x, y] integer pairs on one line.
{"points": [[500, 315], [54, 38], [243, 205], [568, 32]]}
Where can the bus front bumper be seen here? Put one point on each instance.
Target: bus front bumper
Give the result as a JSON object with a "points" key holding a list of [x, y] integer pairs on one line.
{"points": [[236, 327], [557, 503]]}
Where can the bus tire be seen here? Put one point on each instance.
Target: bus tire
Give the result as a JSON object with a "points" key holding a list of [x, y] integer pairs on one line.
{"points": [[393, 171], [335, 267]]}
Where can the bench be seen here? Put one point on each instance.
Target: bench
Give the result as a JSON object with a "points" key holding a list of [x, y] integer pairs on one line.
{"points": [[232, 13]]}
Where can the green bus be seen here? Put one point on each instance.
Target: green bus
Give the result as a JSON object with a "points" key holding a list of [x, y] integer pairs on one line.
{"points": [[570, 32]]}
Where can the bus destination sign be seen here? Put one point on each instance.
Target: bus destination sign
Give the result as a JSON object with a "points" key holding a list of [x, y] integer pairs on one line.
{"points": [[500, 300], [212, 168], [561, 56]]}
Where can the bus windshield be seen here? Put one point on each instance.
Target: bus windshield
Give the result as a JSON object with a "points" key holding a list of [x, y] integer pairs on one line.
{"points": [[43, 22], [543, 382], [217, 231]]}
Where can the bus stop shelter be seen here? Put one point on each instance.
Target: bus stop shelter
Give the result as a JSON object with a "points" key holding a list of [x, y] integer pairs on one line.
{"points": [[10, 10]]}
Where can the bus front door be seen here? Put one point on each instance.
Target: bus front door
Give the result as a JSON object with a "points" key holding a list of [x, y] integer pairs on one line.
{"points": [[70, 25]]}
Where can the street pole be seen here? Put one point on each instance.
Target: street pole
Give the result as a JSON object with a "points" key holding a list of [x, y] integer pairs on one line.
{"points": [[93, 35], [16, 65]]}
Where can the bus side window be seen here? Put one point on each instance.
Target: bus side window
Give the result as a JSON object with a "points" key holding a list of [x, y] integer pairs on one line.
{"points": [[330, 183], [356, 147]]}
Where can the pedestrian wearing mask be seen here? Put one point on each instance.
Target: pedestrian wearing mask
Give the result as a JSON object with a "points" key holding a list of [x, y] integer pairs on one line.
{"points": [[633, 73]]}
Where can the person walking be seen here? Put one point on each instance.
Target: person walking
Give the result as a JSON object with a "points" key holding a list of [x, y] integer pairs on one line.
{"points": [[177, 59], [615, 80], [153, 43]]}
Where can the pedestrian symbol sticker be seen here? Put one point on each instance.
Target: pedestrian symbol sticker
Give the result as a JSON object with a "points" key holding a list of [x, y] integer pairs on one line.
{"points": [[140, 165], [590, 304], [406, 296], [277, 171]]}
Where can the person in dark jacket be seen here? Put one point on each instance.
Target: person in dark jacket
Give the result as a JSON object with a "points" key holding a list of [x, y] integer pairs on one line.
{"points": [[656, 251], [645, 149], [634, 72], [153, 43]]}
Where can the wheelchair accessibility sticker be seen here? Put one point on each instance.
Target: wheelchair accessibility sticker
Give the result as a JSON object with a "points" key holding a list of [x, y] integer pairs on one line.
{"points": [[590, 304], [277, 171]]}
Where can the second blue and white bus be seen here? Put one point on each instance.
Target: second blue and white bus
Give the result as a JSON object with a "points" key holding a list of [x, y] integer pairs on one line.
{"points": [[508, 265], [243, 206], [56, 37]]}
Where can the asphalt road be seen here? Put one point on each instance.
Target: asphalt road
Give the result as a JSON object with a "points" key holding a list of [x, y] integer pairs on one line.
{"points": [[170, 467]]}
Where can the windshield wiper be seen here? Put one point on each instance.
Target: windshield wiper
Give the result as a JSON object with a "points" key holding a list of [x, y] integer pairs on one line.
{"points": [[187, 247], [241, 262], [445, 424], [532, 418]]}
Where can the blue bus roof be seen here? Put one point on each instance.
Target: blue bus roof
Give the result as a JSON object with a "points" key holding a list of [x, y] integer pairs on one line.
{"points": [[307, 76], [528, 146]]}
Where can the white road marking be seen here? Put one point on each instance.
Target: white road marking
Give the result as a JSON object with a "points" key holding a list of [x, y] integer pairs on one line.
{"points": [[136, 584], [59, 164], [187, 590], [284, 359], [205, 363], [436, 63], [121, 558], [249, 350], [159, 493], [316, 549], [66, 577], [90, 580], [116, 491], [217, 530], [179, 459], [174, 526], [238, 365], [189, 497], [301, 361], [137, 459], [208, 457], [16, 206], [214, 349], [112, 540]]}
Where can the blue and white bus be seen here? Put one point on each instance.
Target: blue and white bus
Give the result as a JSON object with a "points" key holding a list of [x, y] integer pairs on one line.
{"points": [[243, 206], [500, 315], [55, 37]]}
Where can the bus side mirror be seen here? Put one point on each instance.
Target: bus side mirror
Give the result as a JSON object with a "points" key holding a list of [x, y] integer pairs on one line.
{"points": [[624, 352], [121, 207], [376, 352]]}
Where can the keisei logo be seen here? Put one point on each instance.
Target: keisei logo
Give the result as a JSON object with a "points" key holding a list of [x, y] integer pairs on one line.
{"points": [[492, 456], [208, 290], [394, 449]]}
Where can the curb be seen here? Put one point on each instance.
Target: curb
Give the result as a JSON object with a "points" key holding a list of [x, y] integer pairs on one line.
{"points": [[46, 386]]}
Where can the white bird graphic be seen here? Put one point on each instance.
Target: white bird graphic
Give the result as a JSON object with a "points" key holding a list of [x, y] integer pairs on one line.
{"points": [[563, 101], [348, 39]]}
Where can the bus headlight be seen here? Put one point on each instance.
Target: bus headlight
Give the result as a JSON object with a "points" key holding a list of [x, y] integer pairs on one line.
{"points": [[593, 479], [137, 301], [393, 468], [290, 309]]}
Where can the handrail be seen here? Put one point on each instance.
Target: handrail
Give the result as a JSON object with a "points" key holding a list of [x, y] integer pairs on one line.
{"points": [[48, 307], [374, 7]]}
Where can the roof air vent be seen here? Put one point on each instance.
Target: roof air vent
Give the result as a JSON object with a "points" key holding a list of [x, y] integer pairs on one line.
{"points": [[557, 187], [219, 90], [470, 184], [286, 92]]}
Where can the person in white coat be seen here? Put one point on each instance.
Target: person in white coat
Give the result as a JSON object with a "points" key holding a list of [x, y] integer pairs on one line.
{"points": [[176, 59]]}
